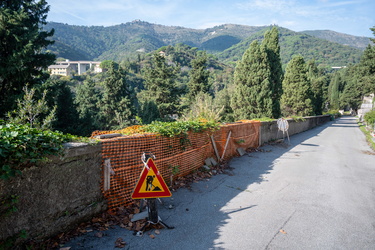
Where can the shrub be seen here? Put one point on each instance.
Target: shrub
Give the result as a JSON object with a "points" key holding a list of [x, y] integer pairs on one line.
{"points": [[21, 145], [370, 119]]}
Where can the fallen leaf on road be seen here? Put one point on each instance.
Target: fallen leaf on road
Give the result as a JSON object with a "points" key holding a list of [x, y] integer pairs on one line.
{"points": [[99, 234], [120, 243], [152, 236], [282, 231], [157, 232]]}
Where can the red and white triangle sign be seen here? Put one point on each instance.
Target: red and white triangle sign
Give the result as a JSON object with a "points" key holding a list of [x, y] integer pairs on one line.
{"points": [[150, 184]]}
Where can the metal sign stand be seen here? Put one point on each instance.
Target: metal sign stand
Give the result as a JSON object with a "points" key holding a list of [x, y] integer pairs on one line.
{"points": [[153, 217], [283, 125]]}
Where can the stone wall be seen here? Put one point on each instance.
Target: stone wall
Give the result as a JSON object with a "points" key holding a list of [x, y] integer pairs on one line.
{"points": [[269, 130], [55, 195]]}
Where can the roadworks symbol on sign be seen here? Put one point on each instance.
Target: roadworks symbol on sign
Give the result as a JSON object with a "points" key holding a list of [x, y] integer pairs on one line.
{"points": [[151, 184]]}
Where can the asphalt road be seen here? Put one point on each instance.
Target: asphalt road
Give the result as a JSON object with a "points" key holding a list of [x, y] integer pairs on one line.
{"points": [[316, 193]]}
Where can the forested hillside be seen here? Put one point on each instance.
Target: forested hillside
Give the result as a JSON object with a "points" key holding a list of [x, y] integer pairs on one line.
{"points": [[358, 42], [325, 53], [228, 42]]}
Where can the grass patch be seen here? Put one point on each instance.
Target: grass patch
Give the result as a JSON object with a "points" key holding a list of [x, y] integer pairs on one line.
{"points": [[368, 135]]}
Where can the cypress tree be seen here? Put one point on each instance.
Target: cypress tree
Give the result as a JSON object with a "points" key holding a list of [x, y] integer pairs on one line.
{"points": [[117, 102], [334, 91], [198, 75], [297, 94], [22, 43], [317, 83], [87, 100], [271, 43], [252, 97], [160, 86]]}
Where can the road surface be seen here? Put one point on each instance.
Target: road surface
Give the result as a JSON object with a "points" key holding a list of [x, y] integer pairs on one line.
{"points": [[316, 193]]}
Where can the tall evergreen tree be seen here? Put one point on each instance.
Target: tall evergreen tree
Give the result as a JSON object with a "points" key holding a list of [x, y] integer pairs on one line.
{"points": [[22, 42], [297, 94], [252, 97], [271, 43], [87, 99], [318, 81], [117, 102], [198, 75], [160, 86], [367, 68], [60, 95], [334, 91]]}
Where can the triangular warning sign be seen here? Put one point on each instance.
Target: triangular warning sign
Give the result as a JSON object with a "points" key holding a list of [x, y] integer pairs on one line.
{"points": [[151, 184]]}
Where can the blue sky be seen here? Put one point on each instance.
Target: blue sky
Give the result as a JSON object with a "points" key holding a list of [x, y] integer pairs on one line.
{"points": [[354, 17]]}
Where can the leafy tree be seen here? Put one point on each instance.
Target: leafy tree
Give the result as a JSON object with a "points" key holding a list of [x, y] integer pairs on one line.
{"points": [[297, 95], [117, 109], [271, 43], [22, 44], [199, 76], [160, 86], [252, 97]]}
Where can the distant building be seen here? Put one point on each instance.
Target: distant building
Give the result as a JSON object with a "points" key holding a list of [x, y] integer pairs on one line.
{"points": [[62, 70], [338, 67], [80, 67]]}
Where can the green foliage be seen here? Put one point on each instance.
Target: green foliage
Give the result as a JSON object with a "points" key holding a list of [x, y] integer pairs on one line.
{"points": [[21, 48], [369, 137], [335, 88], [117, 109], [8, 205], [297, 96], [271, 43], [298, 118], [370, 119], [61, 97], [31, 111], [325, 53], [318, 82], [21, 145], [203, 108], [252, 96], [160, 86], [171, 129], [198, 75], [87, 100]]}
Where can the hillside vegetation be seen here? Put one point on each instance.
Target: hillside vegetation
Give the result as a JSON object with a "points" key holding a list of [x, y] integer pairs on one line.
{"points": [[358, 42], [228, 42]]}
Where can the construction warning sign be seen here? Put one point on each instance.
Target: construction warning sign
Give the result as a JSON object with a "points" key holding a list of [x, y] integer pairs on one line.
{"points": [[151, 184]]}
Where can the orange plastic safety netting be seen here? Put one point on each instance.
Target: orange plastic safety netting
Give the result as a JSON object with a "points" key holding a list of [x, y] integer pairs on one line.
{"points": [[177, 155]]}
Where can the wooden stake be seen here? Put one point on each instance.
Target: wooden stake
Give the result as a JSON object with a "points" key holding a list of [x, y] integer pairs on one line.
{"points": [[226, 144], [214, 144]]}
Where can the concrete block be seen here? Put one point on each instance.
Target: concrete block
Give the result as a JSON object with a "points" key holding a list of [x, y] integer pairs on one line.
{"points": [[241, 151]]}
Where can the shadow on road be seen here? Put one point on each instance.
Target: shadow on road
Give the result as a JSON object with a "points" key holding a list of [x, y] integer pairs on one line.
{"points": [[198, 214]]}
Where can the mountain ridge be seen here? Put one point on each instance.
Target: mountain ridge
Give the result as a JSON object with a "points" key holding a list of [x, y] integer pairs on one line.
{"points": [[125, 41]]}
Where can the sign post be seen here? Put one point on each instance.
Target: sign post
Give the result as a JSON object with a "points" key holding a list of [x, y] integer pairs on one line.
{"points": [[150, 186], [283, 125]]}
